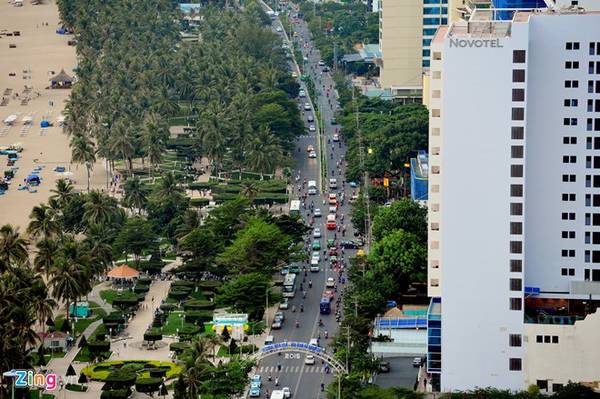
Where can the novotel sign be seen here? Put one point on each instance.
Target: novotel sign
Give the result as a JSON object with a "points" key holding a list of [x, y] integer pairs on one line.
{"points": [[291, 345], [478, 43]]}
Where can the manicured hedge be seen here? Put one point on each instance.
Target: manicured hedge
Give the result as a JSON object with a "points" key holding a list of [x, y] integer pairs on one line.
{"points": [[178, 347], [209, 285], [179, 293], [192, 316], [100, 371], [158, 372], [148, 385], [199, 202], [120, 379], [167, 307], [198, 304], [153, 334], [115, 394], [139, 289], [183, 283], [144, 281], [98, 346], [188, 331]]}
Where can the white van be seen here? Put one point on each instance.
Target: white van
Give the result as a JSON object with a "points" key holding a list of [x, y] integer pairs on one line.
{"points": [[333, 183], [314, 265], [269, 340], [312, 187]]}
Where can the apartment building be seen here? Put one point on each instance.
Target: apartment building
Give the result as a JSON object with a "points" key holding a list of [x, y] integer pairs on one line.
{"points": [[514, 200]]}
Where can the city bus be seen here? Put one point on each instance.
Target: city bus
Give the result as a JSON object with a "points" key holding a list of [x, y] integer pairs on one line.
{"points": [[289, 285], [295, 208]]}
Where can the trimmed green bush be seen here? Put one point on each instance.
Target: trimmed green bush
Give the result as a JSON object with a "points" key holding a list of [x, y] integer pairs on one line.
{"points": [[121, 379], [158, 372], [153, 334], [148, 385], [210, 285], [179, 293], [167, 307], [141, 289], [115, 394], [192, 316], [187, 332], [183, 283], [114, 318], [198, 304], [178, 347], [199, 202], [98, 346]]}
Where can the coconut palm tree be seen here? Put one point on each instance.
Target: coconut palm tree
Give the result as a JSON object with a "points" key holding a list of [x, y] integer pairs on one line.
{"points": [[83, 151], [13, 248], [249, 189], [264, 153], [63, 191], [122, 143], [136, 194], [44, 257], [43, 222], [99, 208], [155, 141]]}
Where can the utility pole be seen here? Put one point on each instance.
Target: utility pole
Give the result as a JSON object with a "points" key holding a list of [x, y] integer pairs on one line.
{"points": [[334, 57]]}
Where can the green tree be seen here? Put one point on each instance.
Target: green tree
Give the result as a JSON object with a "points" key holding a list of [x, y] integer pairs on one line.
{"points": [[136, 194], [135, 237], [43, 222], [404, 214], [83, 151], [257, 247], [402, 254], [246, 293], [13, 248]]}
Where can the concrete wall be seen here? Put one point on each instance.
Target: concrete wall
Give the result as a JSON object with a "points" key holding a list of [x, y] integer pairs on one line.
{"points": [[400, 41], [574, 358]]}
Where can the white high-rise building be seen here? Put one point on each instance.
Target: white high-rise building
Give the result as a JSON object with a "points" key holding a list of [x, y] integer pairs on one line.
{"points": [[514, 201]]}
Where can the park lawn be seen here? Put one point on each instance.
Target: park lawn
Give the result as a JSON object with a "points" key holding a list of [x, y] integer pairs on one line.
{"points": [[100, 371], [36, 394], [35, 358], [174, 321], [108, 295]]}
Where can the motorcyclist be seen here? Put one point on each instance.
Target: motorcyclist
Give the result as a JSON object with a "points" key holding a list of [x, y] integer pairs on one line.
{"points": [[297, 324], [309, 283]]}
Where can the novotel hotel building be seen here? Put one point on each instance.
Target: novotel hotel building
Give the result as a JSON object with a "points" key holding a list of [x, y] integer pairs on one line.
{"points": [[514, 200]]}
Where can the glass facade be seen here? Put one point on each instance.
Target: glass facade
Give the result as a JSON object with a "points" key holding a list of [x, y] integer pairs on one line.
{"points": [[435, 13]]}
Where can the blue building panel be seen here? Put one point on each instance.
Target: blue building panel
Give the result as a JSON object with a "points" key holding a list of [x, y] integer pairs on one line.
{"points": [[419, 176], [508, 14]]}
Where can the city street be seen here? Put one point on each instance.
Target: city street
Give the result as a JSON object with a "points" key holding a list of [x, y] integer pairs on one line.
{"points": [[305, 380]]}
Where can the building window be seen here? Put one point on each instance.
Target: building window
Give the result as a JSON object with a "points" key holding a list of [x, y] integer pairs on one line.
{"points": [[571, 64], [514, 364], [516, 170], [516, 228], [570, 102], [569, 178], [516, 151], [518, 94], [516, 266], [516, 209], [519, 56], [569, 121], [518, 75], [435, 113], [568, 234], [518, 114], [569, 159], [569, 197], [571, 84], [539, 339], [517, 132], [569, 140], [516, 284], [515, 304], [572, 46], [516, 247], [516, 190], [514, 340]]}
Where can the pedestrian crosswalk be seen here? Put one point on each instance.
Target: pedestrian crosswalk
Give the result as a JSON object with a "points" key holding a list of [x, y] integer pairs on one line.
{"points": [[291, 369]]}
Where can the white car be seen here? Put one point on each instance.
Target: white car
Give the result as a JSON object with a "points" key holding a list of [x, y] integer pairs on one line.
{"points": [[294, 75], [284, 304], [330, 282], [332, 209], [336, 137], [309, 359], [312, 128], [312, 154], [321, 63], [317, 212], [278, 29], [302, 93], [307, 107], [314, 265], [286, 392], [317, 233], [316, 254]]}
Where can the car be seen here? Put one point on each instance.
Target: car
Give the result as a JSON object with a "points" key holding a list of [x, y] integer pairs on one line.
{"points": [[333, 209], [317, 212], [256, 378], [321, 63], [353, 184], [314, 266], [287, 393], [330, 243], [310, 118], [278, 29], [285, 270], [309, 360], [254, 392], [284, 304], [279, 316], [316, 254], [307, 107], [276, 325], [316, 245], [332, 198], [348, 245], [310, 148], [312, 128], [314, 342], [312, 154], [417, 362], [333, 251], [330, 282], [325, 69], [333, 259], [385, 367], [317, 233], [305, 58], [336, 137], [329, 294], [294, 268], [294, 75], [302, 93], [333, 121], [333, 183]]}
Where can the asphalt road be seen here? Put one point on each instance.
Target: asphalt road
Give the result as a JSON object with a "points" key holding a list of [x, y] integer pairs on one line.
{"points": [[304, 380]]}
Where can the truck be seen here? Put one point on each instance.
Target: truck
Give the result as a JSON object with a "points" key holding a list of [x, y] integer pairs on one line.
{"points": [[277, 394], [312, 187], [325, 305]]}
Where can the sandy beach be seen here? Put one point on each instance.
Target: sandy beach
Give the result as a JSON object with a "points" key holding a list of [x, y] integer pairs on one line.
{"points": [[40, 53]]}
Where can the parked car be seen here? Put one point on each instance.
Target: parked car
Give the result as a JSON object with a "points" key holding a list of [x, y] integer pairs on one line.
{"points": [[307, 107], [287, 393], [310, 118], [276, 325], [302, 93], [316, 245], [310, 148], [336, 137], [385, 367], [285, 270], [321, 63], [254, 391], [417, 362]]}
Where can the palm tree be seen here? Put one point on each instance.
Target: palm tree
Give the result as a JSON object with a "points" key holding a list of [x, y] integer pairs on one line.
{"points": [[156, 135], [71, 277], [13, 248], [264, 153], [136, 194], [43, 222], [122, 143], [249, 189], [42, 304], [44, 258], [63, 191], [99, 208], [83, 151]]}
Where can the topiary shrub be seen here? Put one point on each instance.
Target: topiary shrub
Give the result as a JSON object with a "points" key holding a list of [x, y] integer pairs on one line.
{"points": [[167, 307], [183, 283], [210, 285], [158, 372], [201, 316], [187, 332], [148, 385], [198, 304], [115, 394], [141, 289], [98, 346], [121, 379], [179, 293], [153, 335], [144, 281], [178, 347]]}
